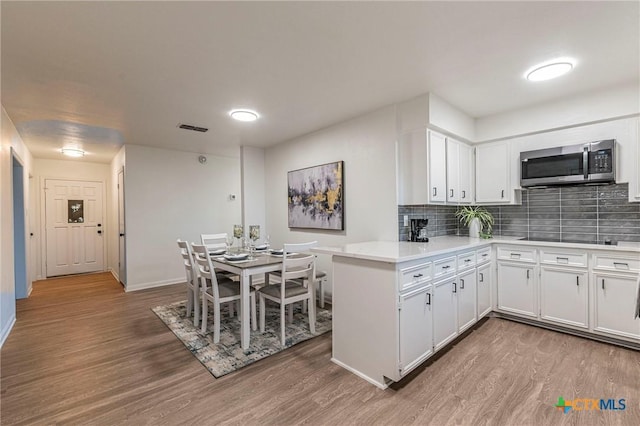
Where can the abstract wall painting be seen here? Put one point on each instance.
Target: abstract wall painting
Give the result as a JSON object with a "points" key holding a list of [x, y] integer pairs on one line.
{"points": [[315, 197]]}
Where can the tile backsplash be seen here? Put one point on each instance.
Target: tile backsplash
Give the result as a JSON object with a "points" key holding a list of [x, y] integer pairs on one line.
{"points": [[588, 214]]}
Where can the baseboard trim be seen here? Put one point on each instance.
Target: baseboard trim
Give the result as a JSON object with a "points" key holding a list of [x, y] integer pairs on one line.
{"points": [[144, 286], [7, 329], [114, 273], [359, 374]]}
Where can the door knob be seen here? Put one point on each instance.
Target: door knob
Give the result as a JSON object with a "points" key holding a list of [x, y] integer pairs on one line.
{"points": [[99, 231], [122, 235]]}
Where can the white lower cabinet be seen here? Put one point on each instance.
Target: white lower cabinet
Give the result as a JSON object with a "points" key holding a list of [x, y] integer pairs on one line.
{"points": [[517, 289], [445, 312], [615, 298], [416, 327], [467, 305], [564, 296], [483, 289]]}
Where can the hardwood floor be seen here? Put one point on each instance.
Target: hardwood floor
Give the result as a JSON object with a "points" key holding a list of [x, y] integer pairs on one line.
{"points": [[84, 352]]}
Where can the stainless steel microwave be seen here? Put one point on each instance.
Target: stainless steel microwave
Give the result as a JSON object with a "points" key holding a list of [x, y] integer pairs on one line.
{"points": [[592, 162]]}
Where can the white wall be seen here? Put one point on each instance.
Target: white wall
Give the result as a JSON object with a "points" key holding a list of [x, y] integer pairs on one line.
{"points": [[586, 108], [367, 146], [445, 117], [170, 195], [10, 140], [67, 170], [253, 190]]}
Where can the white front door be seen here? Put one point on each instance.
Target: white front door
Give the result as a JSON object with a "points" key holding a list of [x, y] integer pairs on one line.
{"points": [[74, 227], [122, 270]]}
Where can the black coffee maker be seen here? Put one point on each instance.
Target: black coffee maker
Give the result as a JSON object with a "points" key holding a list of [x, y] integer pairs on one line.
{"points": [[418, 232]]}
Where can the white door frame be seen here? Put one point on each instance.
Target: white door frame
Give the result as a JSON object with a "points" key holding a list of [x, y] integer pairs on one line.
{"points": [[43, 220], [122, 227]]}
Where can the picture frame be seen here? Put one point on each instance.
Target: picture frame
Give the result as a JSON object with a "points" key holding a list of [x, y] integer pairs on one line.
{"points": [[315, 197]]}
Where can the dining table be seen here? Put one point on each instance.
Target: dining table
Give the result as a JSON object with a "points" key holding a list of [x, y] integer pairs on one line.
{"points": [[262, 262]]}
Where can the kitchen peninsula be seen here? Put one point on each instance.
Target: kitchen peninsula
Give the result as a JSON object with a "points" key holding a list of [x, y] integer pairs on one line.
{"points": [[397, 303]]}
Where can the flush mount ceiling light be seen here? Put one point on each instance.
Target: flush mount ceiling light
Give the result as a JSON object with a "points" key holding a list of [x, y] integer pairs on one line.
{"points": [[72, 152], [244, 115], [550, 69]]}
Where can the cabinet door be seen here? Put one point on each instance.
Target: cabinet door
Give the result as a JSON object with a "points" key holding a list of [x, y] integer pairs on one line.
{"points": [[492, 173], [412, 168], [416, 328], [483, 290], [465, 168], [564, 296], [437, 168], [517, 289], [445, 312], [615, 301], [453, 171], [467, 304]]}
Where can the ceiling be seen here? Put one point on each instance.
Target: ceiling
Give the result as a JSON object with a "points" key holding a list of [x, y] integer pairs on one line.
{"points": [[100, 74]]}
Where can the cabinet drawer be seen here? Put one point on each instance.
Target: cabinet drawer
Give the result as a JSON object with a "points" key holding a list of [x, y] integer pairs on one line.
{"points": [[414, 274], [483, 255], [615, 263], [522, 254], [563, 257], [444, 267], [466, 260]]}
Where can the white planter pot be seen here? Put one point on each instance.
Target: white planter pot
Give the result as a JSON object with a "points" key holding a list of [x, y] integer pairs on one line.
{"points": [[474, 228]]}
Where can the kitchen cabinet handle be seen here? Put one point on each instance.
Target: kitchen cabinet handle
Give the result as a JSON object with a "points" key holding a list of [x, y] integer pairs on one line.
{"points": [[528, 273], [481, 277], [464, 194], [502, 194], [429, 299], [461, 284], [578, 280], [515, 255], [417, 276], [455, 288], [451, 193], [603, 283], [621, 263], [435, 191], [562, 258], [446, 267]]}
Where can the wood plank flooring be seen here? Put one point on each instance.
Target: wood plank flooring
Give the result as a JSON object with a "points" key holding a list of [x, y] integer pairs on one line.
{"points": [[84, 352]]}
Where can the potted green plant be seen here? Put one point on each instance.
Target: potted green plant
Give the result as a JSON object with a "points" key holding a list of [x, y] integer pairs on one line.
{"points": [[478, 219]]}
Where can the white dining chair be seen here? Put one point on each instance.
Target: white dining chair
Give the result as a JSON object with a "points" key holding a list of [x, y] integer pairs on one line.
{"points": [[320, 281], [191, 271], [217, 290], [298, 270], [215, 242]]}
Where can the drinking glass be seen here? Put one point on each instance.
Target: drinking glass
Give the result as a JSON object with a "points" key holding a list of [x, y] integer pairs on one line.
{"points": [[254, 235], [237, 233]]}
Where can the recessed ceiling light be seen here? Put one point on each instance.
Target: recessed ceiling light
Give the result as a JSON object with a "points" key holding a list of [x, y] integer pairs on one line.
{"points": [[550, 69], [244, 115], [72, 152]]}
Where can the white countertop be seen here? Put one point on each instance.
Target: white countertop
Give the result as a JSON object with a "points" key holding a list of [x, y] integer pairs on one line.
{"points": [[396, 252]]}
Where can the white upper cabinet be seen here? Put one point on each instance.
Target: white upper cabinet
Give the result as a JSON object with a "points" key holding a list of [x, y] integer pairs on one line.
{"points": [[465, 166], [412, 168], [437, 173], [492, 173], [453, 171], [459, 172]]}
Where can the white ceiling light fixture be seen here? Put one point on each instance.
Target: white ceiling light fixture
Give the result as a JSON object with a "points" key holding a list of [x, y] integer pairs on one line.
{"points": [[244, 115], [72, 152], [550, 69]]}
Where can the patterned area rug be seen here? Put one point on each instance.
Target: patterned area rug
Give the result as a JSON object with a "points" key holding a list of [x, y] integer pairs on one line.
{"points": [[227, 356]]}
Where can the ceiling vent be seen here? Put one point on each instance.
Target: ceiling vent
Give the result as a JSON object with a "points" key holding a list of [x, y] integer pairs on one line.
{"points": [[194, 128]]}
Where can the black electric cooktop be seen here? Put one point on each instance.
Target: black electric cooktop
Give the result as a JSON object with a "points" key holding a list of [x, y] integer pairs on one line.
{"points": [[557, 240]]}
